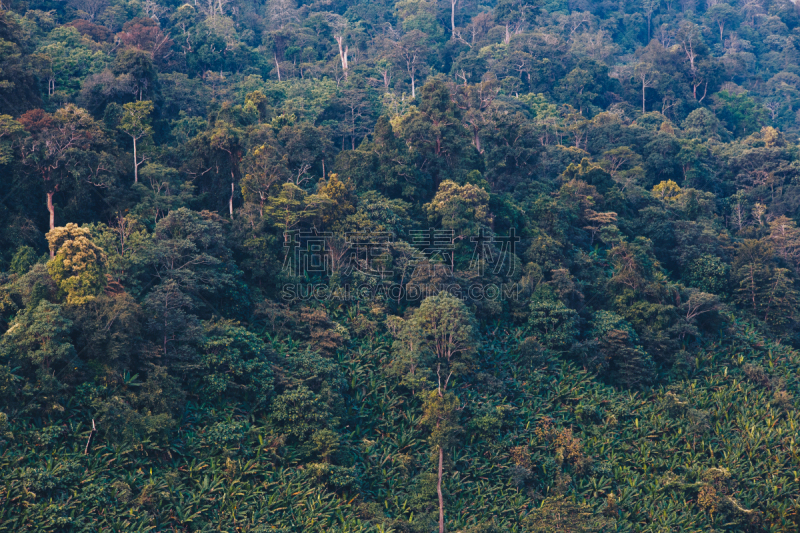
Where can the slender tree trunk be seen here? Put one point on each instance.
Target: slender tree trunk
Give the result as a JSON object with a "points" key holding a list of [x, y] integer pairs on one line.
{"points": [[278, 66], [413, 87], [644, 88], [323, 169], [135, 163], [439, 490], [230, 202], [91, 438], [52, 211], [453, 18], [343, 53]]}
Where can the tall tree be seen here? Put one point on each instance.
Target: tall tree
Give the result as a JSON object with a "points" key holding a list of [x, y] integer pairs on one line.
{"points": [[722, 15], [136, 123], [646, 76], [61, 148], [265, 167], [445, 329], [411, 51]]}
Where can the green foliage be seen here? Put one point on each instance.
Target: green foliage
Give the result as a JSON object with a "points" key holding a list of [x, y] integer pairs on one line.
{"points": [[40, 336], [708, 273], [561, 514], [135, 119], [299, 412], [78, 265], [444, 328], [608, 342], [440, 414], [551, 322], [235, 362], [24, 258]]}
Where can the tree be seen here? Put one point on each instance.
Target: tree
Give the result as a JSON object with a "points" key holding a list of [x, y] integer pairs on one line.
{"points": [[440, 413], [19, 88], [436, 138], [306, 147], [446, 329], [227, 139], [69, 61], [144, 34], [10, 131], [171, 321], [560, 513], [785, 238], [137, 69], [649, 7], [752, 273], [136, 123], [300, 412], [463, 209], [41, 335], [357, 121], [666, 190], [647, 77], [708, 273], [722, 14], [61, 148], [691, 41], [598, 221], [780, 301], [628, 363], [340, 27], [293, 206], [383, 164], [192, 271], [453, 4], [412, 52], [78, 265], [475, 102], [550, 321], [265, 166], [89, 9], [235, 362]]}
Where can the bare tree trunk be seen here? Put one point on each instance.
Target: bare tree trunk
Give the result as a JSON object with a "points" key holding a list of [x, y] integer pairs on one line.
{"points": [[644, 88], [52, 211], [342, 53], [230, 202], [91, 438], [135, 163], [413, 87], [278, 66], [439, 490], [453, 18]]}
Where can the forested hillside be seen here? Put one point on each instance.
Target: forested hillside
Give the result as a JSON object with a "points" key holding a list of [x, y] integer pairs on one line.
{"points": [[432, 265]]}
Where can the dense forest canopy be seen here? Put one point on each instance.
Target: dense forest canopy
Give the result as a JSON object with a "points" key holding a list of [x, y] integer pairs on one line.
{"points": [[413, 266]]}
